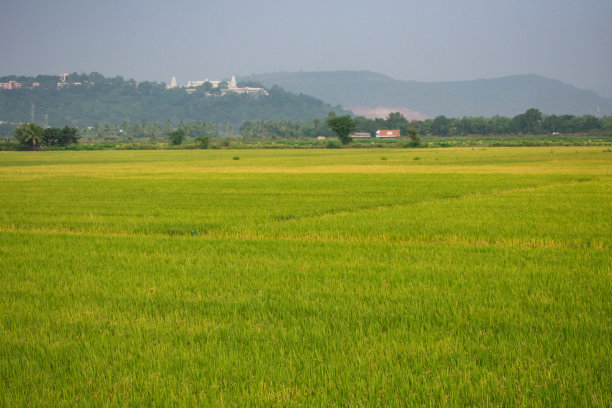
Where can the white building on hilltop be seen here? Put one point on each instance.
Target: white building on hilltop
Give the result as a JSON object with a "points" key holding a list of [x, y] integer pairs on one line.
{"points": [[231, 86], [172, 83], [193, 84]]}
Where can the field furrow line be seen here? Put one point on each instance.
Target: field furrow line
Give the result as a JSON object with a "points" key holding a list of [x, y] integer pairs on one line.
{"points": [[377, 207], [442, 240]]}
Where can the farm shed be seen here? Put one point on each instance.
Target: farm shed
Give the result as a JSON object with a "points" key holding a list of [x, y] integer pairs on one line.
{"points": [[360, 135]]}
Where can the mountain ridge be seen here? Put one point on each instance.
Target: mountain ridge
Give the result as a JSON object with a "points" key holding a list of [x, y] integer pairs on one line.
{"points": [[505, 96]]}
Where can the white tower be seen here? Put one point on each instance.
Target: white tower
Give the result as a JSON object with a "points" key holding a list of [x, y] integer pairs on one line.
{"points": [[172, 83], [232, 84]]}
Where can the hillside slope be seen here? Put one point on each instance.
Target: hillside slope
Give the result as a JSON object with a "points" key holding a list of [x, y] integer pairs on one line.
{"points": [[113, 101]]}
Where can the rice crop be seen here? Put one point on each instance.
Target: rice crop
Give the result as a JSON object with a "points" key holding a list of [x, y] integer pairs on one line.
{"points": [[325, 277]]}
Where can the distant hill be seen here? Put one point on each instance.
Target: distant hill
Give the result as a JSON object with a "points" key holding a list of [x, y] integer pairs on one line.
{"points": [[605, 91], [363, 91], [92, 98]]}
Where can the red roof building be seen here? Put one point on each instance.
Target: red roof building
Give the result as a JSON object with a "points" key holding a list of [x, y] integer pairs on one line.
{"points": [[388, 133]]}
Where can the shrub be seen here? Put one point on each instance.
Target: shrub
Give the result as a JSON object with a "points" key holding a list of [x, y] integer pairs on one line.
{"points": [[177, 137], [202, 142]]}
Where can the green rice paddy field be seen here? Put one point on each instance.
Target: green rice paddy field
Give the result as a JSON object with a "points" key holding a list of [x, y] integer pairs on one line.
{"points": [[457, 276]]}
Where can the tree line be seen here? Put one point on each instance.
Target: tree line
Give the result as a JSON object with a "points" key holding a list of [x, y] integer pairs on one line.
{"points": [[33, 136], [151, 130], [530, 122]]}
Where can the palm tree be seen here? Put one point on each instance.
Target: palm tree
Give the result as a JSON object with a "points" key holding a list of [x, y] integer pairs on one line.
{"points": [[29, 134]]}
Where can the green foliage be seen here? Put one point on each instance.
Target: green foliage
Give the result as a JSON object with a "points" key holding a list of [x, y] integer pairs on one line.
{"points": [[60, 137], [396, 120], [342, 126], [260, 129], [331, 144], [203, 142], [198, 129], [7, 130], [440, 125], [177, 137], [606, 123], [29, 134], [415, 140], [530, 122]]}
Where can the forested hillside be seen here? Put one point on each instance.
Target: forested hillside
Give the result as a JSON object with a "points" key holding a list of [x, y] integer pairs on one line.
{"points": [[91, 98]]}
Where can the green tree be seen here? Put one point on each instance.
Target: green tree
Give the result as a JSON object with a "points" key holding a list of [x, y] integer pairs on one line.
{"points": [[125, 129], [167, 127], [363, 124], [85, 133], [415, 140], [440, 125], [342, 127], [202, 142], [60, 136], [395, 120], [228, 128], [96, 130], [50, 136], [252, 129], [177, 137], [107, 131], [29, 134], [501, 125], [68, 136], [528, 122]]}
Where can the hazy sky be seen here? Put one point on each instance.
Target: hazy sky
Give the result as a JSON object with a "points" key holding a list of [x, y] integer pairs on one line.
{"points": [[416, 40]]}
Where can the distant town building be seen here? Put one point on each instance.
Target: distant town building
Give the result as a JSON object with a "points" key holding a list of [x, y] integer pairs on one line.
{"points": [[65, 83], [17, 85], [388, 133], [10, 85], [63, 76]]}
